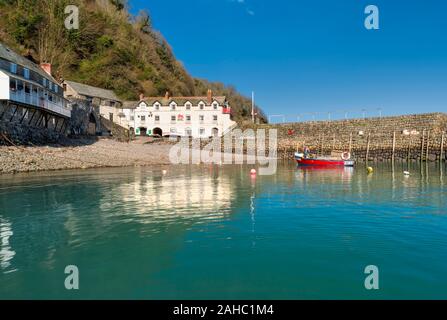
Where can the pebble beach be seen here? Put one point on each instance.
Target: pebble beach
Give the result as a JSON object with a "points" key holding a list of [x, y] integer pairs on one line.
{"points": [[82, 154]]}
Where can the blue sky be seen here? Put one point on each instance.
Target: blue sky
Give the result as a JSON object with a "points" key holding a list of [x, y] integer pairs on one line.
{"points": [[314, 56]]}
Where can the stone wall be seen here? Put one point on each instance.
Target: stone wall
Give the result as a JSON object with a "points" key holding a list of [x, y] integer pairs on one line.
{"points": [[27, 126], [416, 136]]}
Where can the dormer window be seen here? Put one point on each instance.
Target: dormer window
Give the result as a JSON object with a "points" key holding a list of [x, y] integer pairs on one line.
{"points": [[188, 106], [173, 106], [215, 105], [157, 106], [13, 68], [201, 105]]}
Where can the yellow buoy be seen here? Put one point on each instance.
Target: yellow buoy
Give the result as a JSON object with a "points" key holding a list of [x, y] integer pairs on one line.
{"points": [[370, 170]]}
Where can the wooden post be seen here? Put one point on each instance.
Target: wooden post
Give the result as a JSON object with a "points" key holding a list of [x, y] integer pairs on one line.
{"points": [[322, 144], [350, 142], [367, 147], [422, 145], [428, 145], [441, 157], [409, 148], [394, 145], [333, 143]]}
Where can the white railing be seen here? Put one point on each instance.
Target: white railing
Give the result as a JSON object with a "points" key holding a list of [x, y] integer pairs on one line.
{"points": [[34, 100]]}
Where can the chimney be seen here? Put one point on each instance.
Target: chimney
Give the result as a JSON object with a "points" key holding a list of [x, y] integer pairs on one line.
{"points": [[46, 67], [141, 96], [167, 95], [210, 96]]}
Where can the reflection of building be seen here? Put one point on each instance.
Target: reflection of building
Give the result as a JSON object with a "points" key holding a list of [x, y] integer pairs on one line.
{"points": [[183, 116], [201, 197]]}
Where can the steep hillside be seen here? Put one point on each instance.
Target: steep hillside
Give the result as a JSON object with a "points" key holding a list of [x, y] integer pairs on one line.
{"points": [[111, 49]]}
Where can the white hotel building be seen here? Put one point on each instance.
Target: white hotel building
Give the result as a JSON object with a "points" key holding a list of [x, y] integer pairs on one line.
{"points": [[198, 117]]}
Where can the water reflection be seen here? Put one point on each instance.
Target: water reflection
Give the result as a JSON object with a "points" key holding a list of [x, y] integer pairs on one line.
{"points": [[154, 198], [161, 232], [6, 252]]}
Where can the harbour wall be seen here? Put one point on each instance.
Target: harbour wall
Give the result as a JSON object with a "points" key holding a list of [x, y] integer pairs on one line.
{"points": [[409, 137]]}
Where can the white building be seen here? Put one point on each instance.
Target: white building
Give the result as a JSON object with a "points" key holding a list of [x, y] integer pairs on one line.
{"points": [[30, 87], [198, 117]]}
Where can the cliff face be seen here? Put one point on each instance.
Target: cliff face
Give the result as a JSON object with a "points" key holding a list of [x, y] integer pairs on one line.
{"points": [[111, 49]]}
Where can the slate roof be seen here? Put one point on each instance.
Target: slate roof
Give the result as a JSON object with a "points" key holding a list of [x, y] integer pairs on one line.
{"points": [[182, 100], [91, 91], [8, 54]]}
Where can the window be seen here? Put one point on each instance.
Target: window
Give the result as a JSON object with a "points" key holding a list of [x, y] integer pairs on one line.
{"points": [[13, 68], [65, 87], [26, 73], [202, 118], [215, 106], [132, 118], [188, 118], [12, 84], [202, 106], [173, 130], [202, 131], [173, 118], [143, 118], [44, 82], [27, 88], [157, 106], [56, 88], [215, 118], [188, 106], [188, 131], [173, 106], [157, 118], [19, 85]]}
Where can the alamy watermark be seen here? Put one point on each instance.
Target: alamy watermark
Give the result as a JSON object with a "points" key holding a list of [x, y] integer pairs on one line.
{"points": [[372, 20], [372, 280], [72, 280], [72, 20], [230, 150]]}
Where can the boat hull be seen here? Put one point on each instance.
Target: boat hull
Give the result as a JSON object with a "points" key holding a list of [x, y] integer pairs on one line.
{"points": [[325, 163]]}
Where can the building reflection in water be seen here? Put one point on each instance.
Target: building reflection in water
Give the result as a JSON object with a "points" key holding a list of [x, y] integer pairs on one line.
{"points": [[160, 198]]}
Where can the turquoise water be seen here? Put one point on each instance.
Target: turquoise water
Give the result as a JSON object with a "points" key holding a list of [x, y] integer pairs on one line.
{"points": [[207, 232]]}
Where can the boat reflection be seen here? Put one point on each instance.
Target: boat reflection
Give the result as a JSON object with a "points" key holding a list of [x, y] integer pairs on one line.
{"points": [[325, 174]]}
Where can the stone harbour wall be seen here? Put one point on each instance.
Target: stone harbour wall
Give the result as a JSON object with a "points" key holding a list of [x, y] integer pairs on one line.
{"points": [[413, 137]]}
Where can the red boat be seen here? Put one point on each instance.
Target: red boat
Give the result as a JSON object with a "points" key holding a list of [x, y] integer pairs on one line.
{"points": [[345, 161]]}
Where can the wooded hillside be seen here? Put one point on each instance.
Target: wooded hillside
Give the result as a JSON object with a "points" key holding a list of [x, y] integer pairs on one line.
{"points": [[111, 49]]}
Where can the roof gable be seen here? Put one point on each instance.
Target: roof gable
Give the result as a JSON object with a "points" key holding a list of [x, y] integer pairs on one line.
{"points": [[86, 90]]}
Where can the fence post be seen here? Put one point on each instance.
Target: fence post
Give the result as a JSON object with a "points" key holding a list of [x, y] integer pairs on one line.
{"points": [[428, 146]]}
